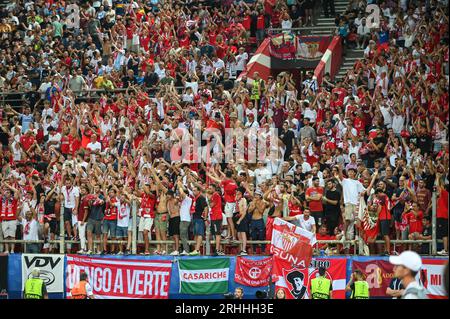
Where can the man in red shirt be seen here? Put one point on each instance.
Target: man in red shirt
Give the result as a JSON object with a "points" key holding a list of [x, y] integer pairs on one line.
{"points": [[229, 187], [322, 234], [414, 218], [82, 216], [313, 196], [384, 218], [442, 215], [215, 204], [9, 214], [110, 219]]}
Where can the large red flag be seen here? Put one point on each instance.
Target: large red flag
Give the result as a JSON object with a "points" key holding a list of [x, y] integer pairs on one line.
{"points": [[292, 243]]}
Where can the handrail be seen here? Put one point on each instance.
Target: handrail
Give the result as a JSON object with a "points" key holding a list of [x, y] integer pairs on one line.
{"points": [[212, 242]]}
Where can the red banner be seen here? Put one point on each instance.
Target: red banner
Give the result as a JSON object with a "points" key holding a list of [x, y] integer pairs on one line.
{"points": [[379, 274], [124, 279], [296, 282], [253, 273]]}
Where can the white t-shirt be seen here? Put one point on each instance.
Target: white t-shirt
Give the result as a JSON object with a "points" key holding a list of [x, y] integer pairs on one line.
{"points": [[123, 216], [55, 138], [94, 146], [70, 195], [262, 175], [351, 189], [185, 209], [306, 224], [241, 60], [30, 229]]}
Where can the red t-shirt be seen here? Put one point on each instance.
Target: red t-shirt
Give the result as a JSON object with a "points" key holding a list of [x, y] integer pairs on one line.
{"points": [[148, 202], [415, 222], [65, 144], [294, 210], [385, 213], [84, 204], [442, 205], [216, 211], [27, 141], [324, 237], [315, 205], [229, 189], [111, 209]]}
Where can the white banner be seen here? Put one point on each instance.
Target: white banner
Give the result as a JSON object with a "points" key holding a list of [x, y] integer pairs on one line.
{"points": [[51, 270]]}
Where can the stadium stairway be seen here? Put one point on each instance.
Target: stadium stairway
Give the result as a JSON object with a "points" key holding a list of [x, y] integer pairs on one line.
{"points": [[326, 26]]}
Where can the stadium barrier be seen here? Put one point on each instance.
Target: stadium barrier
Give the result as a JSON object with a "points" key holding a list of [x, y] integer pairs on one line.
{"points": [[378, 273]]}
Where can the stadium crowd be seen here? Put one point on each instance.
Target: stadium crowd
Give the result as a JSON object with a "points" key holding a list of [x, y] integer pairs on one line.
{"points": [[102, 113]]}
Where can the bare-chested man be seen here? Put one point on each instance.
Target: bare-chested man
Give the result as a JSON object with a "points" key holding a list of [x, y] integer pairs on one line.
{"points": [[161, 216], [173, 207], [257, 227]]}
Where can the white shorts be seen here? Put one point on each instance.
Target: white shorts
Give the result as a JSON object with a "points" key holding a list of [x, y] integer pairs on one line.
{"points": [[145, 223], [9, 228], [74, 220], [229, 209], [224, 220]]}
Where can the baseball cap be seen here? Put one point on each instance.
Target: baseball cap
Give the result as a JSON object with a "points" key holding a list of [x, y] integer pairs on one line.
{"points": [[408, 259], [258, 192]]}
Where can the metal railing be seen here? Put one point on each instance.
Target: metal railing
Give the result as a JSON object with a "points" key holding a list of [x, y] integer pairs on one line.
{"points": [[356, 243], [88, 94]]}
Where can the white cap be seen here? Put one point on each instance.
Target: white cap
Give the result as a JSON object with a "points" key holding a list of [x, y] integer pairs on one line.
{"points": [[408, 259]]}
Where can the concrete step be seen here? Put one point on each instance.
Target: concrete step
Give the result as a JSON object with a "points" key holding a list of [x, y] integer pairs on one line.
{"points": [[325, 20]]}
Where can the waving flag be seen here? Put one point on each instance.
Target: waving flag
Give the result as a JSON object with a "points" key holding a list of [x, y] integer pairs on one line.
{"points": [[292, 243]]}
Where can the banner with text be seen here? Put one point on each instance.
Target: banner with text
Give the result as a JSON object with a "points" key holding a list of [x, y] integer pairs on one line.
{"points": [[379, 274], [296, 281], [253, 273], [121, 278], [291, 243], [51, 269], [432, 277], [204, 276]]}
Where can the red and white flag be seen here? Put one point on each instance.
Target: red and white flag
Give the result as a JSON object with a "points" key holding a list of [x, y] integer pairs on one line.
{"points": [[296, 281], [112, 278], [253, 273], [292, 243], [432, 277]]}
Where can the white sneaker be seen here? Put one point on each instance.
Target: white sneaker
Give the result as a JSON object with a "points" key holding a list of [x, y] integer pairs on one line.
{"points": [[184, 253], [163, 252], [120, 253], [81, 252], [442, 253], [174, 253], [89, 252]]}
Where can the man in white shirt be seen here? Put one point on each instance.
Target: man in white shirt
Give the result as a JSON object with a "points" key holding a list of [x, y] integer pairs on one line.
{"points": [[94, 146], [30, 230], [262, 174], [54, 138], [241, 61], [185, 217], [351, 189], [71, 196], [218, 66], [406, 268], [363, 32], [304, 221]]}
